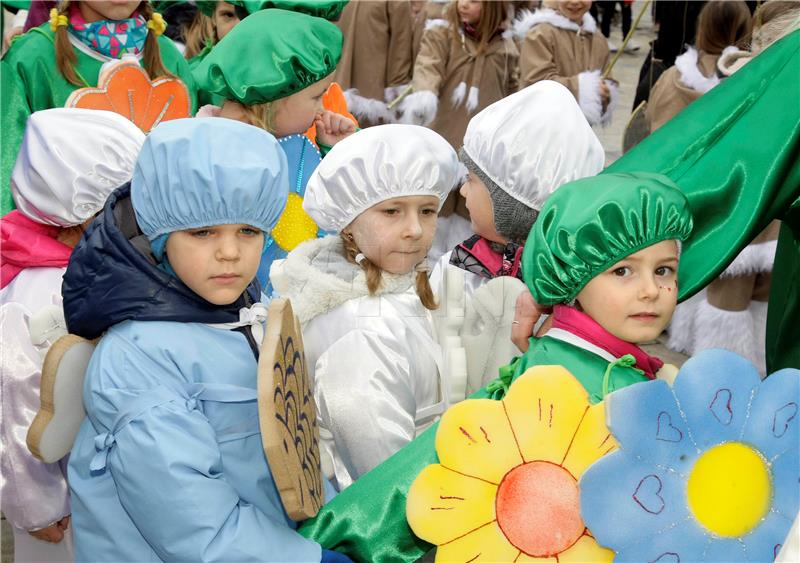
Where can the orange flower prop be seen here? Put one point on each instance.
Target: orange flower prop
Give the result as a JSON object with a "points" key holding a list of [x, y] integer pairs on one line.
{"points": [[506, 487], [125, 88]]}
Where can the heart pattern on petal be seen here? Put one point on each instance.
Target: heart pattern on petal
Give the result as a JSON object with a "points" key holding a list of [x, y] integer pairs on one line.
{"points": [[648, 494], [665, 431], [720, 406], [783, 417]]}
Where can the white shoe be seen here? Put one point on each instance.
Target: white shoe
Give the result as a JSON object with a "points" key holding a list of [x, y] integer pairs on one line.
{"points": [[631, 48], [611, 47]]}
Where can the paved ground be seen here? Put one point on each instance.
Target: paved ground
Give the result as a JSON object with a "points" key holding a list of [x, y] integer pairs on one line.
{"points": [[626, 71]]}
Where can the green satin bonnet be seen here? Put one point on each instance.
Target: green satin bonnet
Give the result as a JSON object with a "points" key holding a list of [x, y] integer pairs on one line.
{"points": [[271, 54], [588, 225]]}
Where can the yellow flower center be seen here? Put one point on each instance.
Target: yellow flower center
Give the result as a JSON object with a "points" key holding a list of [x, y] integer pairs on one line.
{"points": [[294, 226], [538, 508], [729, 489]]}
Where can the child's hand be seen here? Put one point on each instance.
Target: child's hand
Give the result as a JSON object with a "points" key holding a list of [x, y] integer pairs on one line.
{"points": [[526, 315], [605, 95], [54, 533], [332, 127]]}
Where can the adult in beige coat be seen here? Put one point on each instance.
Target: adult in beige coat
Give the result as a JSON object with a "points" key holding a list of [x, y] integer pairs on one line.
{"points": [[376, 58], [553, 47]]}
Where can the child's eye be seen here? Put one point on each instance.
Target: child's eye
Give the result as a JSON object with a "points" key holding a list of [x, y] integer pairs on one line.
{"points": [[391, 211], [665, 271], [250, 231], [622, 271], [201, 233], [429, 211]]}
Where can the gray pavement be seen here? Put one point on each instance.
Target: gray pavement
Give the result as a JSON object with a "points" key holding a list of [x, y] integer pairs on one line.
{"points": [[626, 72]]}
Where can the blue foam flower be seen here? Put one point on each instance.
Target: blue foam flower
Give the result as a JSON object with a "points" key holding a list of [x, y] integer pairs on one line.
{"points": [[707, 470]]}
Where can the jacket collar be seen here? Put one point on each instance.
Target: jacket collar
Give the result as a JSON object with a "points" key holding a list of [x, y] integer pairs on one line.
{"points": [[527, 20], [317, 277]]}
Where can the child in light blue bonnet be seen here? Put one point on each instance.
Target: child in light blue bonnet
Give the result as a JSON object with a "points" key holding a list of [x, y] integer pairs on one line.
{"points": [[168, 464]]}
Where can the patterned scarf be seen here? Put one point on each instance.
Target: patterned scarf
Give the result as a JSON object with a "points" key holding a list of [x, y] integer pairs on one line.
{"points": [[112, 38]]}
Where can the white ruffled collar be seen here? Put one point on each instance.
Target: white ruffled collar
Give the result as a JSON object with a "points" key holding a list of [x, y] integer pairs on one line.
{"points": [[528, 20], [317, 277]]}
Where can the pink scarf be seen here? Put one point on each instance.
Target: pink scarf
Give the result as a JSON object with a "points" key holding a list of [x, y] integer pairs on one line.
{"points": [[582, 325], [27, 244]]}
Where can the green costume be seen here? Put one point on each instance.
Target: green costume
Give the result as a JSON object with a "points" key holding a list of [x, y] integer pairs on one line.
{"points": [[32, 58], [735, 153], [326, 9], [14, 114], [588, 368]]}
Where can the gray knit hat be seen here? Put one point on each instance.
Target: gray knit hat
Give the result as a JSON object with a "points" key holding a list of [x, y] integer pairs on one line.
{"points": [[512, 219], [524, 147]]}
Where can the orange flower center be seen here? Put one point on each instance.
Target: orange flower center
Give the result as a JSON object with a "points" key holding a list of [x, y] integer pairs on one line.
{"points": [[538, 508]]}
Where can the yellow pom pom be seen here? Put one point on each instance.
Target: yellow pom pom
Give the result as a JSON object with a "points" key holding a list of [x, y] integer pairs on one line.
{"points": [[157, 24], [57, 20]]}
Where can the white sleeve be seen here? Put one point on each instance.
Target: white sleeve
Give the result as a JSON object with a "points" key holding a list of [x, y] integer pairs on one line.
{"points": [[366, 401]]}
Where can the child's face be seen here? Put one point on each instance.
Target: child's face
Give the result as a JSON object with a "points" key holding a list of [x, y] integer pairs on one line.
{"points": [[396, 234], [96, 10], [296, 113], [218, 262], [635, 298], [574, 9], [469, 11], [481, 211], [224, 18]]}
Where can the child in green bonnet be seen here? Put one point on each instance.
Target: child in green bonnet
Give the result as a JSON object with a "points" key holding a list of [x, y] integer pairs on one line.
{"points": [[604, 254]]}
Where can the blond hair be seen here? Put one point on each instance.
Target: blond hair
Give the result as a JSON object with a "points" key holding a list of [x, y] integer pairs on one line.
{"points": [[197, 34], [374, 275], [261, 115], [66, 59]]}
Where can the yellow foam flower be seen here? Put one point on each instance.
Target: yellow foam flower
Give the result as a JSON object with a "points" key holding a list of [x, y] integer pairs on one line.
{"points": [[506, 487]]}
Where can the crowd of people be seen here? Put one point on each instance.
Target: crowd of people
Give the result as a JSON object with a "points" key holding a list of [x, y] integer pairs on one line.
{"points": [[353, 157]]}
